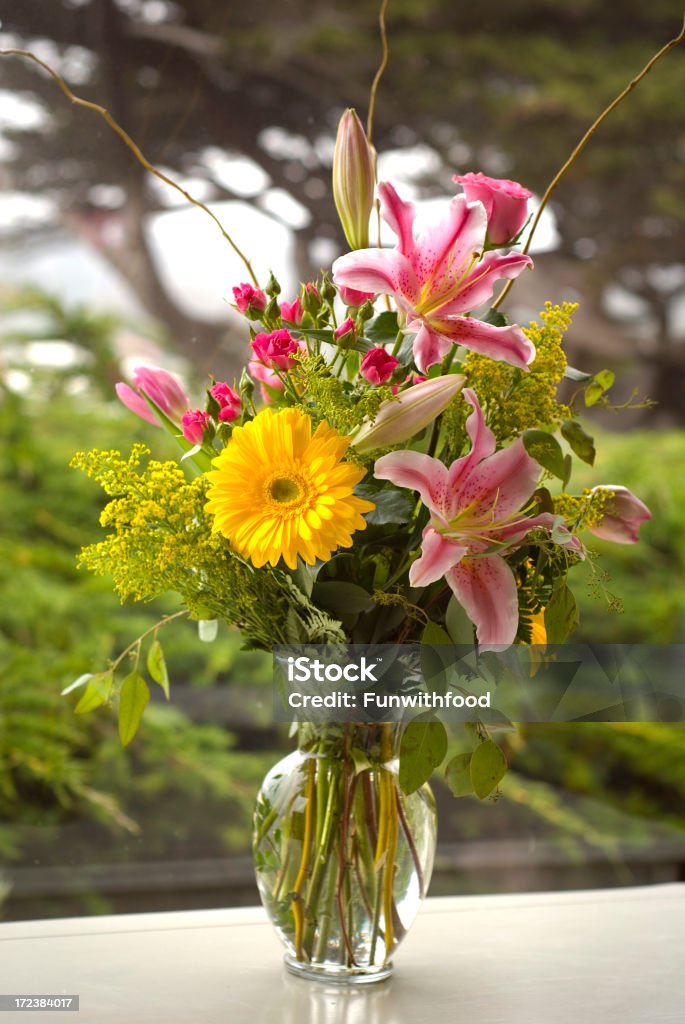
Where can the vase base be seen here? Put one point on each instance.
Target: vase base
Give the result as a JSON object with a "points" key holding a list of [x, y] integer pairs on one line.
{"points": [[334, 975]]}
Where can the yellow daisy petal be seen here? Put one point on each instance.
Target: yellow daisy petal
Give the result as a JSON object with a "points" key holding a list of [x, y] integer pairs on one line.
{"points": [[279, 491]]}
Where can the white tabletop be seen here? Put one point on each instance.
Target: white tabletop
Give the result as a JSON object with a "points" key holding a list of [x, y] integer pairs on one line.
{"points": [[600, 957]]}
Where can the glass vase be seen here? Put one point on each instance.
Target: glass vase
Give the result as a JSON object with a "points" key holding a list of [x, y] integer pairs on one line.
{"points": [[343, 857]]}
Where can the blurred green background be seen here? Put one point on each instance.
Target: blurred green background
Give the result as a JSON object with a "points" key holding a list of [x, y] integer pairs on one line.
{"points": [[241, 105]]}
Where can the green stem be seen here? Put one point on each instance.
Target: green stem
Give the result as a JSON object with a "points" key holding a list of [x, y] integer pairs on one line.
{"points": [[398, 344], [411, 843]]}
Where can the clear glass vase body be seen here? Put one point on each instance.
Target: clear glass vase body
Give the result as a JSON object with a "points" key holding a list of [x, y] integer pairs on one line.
{"points": [[343, 858]]}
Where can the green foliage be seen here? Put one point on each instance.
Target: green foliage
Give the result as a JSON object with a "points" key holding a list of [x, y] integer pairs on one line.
{"points": [[422, 750], [647, 577], [58, 624]]}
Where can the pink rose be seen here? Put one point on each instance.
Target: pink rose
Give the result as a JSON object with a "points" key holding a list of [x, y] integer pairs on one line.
{"points": [[228, 399], [250, 301], [292, 311], [505, 202], [194, 424], [276, 350], [623, 515], [346, 330], [164, 390], [354, 298], [378, 366]]}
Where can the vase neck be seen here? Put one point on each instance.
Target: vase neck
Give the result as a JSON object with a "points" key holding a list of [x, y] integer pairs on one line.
{"points": [[379, 742]]}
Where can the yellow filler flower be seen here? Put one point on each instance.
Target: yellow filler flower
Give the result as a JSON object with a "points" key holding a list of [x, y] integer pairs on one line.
{"points": [[279, 490]]}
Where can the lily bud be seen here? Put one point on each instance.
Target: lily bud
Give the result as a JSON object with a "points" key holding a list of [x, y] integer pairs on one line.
{"points": [[164, 390], [353, 179], [401, 418], [624, 513]]}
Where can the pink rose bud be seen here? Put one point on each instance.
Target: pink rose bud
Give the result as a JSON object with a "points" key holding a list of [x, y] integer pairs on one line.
{"points": [[378, 366], [292, 311], [194, 424], [311, 299], [276, 350], [250, 301], [418, 379], [354, 298], [353, 179], [505, 202], [623, 515], [228, 399], [346, 331], [160, 386]]}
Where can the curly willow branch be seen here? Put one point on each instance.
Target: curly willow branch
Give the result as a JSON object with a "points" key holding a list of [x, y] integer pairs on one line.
{"points": [[128, 141], [583, 142], [379, 73]]}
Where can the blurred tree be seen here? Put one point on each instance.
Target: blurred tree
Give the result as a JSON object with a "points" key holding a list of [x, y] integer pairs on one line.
{"points": [[502, 88]]}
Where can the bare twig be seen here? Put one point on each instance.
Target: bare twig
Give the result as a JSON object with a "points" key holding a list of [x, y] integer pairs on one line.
{"points": [[583, 142], [135, 149], [379, 73]]}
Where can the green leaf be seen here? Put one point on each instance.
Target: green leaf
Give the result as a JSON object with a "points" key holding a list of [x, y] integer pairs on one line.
{"points": [[207, 630], [423, 746], [601, 382], [310, 332], [361, 760], [561, 614], [459, 625], [570, 373], [434, 667], [434, 634], [488, 767], [494, 317], [458, 775], [568, 469], [133, 699], [341, 598], [383, 328], [391, 506], [96, 693], [546, 450], [581, 442], [156, 666]]}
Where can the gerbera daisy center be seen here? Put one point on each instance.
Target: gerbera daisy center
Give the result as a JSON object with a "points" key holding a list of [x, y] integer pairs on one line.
{"points": [[285, 490]]}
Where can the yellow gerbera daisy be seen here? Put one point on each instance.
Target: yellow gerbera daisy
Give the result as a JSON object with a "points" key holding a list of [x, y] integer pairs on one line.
{"points": [[279, 490]]}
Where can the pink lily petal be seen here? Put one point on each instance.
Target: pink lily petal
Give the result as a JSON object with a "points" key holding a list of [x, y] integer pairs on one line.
{"points": [[487, 590], [377, 270], [429, 347], [399, 215], [438, 555], [483, 442], [498, 486], [444, 252], [418, 472], [478, 286], [508, 344]]}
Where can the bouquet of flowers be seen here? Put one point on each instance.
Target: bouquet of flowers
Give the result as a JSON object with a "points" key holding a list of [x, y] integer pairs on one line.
{"points": [[393, 466]]}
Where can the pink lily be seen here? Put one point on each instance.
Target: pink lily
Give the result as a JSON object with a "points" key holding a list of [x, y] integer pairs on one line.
{"points": [[437, 278], [476, 516]]}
